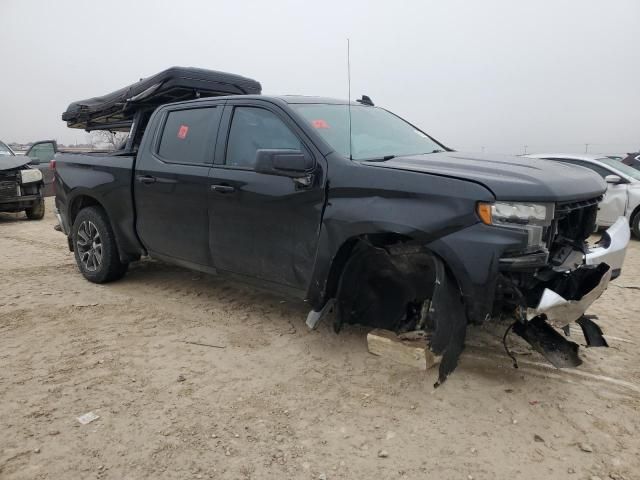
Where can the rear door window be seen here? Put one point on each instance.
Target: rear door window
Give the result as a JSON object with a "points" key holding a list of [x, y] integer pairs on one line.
{"points": [[189, 135], [253, 129]]}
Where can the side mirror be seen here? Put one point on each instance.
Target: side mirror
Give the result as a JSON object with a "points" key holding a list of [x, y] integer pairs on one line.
{"points": [[34, 160], [286, 163], [613, 179]]}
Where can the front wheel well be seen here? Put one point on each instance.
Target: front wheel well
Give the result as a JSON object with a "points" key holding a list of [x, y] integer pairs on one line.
{"points": [[393, 283], [344, 252]]}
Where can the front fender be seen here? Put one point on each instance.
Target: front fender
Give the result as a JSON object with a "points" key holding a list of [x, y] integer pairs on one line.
{"points": [[427, 208], [472, 254]]}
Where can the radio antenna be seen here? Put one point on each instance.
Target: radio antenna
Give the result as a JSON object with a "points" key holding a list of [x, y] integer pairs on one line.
{"points": [[349, 94]]}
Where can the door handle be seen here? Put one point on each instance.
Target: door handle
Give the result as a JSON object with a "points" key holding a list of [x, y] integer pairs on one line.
{"points": [[146, 179], [223, 188]]}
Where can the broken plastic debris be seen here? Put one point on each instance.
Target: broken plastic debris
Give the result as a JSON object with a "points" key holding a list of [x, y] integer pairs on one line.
{"points": [[88, 418], [314, 316], [547, 341], [560, 311], [592, 331]]}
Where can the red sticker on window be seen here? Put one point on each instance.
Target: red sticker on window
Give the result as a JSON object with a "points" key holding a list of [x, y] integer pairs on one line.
{"points": [[319, 124], [182, 132]]}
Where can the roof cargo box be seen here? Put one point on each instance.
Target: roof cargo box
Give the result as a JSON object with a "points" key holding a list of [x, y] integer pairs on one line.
{"points": [[115, 111]]}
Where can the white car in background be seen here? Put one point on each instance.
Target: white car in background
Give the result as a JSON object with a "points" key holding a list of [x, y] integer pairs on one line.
{"points": [[5, 150], [622, 198]]}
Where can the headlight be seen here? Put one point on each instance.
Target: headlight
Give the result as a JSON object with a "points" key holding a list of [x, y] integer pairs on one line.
{"points": [[515, 213], [31, 175], [532, 217]]}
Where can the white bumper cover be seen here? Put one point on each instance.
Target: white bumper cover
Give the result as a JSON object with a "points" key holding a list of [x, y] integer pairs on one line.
{"points": [[612, 247], [611, 250]]}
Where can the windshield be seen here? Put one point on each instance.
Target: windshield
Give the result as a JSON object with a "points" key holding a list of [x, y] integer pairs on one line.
{"points": [[375, 132], [4, 150], [618, 165]]}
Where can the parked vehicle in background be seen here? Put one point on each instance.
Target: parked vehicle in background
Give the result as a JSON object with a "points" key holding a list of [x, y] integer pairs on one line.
{"points": [[21, 185], [622, 198], [343, 204], [633, 160], [42, 152], [5, 150]]}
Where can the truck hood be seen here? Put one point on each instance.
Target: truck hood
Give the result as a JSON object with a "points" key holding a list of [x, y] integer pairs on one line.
{"points": [[507, 177], [9, 162]]}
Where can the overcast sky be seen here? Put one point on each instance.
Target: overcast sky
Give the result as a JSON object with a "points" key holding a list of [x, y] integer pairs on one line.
{"points": [[552, 75]]}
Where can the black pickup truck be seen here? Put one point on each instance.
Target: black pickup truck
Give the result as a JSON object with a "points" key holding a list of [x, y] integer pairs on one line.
{"points": [[342, 204]]}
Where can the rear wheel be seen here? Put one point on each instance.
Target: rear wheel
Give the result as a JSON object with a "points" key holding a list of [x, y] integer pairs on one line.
{"points": [[36, 212], [635, 225], [95, 247]]}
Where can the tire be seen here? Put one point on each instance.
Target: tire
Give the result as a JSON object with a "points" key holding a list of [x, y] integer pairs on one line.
{"points": [[635, 225], [37, 211], [95, 247]]}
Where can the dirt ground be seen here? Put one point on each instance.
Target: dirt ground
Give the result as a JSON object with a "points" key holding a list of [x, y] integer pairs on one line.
{"points": [[278, 401]]}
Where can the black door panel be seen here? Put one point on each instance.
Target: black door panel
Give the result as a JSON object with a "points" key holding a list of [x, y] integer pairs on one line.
{"points": [[262, 225], [266, 228], [172, 186], [172, 212]]}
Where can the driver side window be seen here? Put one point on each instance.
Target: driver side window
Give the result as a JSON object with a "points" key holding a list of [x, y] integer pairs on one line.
{"points": [[252, 129]]}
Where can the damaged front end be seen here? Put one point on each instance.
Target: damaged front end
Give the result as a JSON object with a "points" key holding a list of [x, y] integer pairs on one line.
{"points": [[20, 184], [557, 302], [396, 284], [550, 297]]}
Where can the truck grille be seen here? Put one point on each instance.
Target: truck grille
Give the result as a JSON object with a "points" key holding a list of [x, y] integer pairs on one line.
{"points": [[568, 207], [573, 221], [9, 189]]}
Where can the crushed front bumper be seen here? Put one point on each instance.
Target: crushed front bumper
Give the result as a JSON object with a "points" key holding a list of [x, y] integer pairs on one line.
{"points": [[14, 204], [566, 298], [573, 294], [584, 285], [612, 247]]}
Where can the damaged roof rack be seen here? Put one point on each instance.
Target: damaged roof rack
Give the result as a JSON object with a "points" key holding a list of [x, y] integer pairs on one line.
{"points": [[115, 111]]}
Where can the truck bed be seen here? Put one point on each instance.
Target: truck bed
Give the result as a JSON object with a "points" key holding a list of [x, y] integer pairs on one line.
{"points": [[108, 178]]}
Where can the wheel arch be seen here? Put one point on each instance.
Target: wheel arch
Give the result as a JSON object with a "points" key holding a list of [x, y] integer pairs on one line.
{"points": [[393, 282], [632, 217], [635, 212], [80, 202], [345, 250], [127, 251]]}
